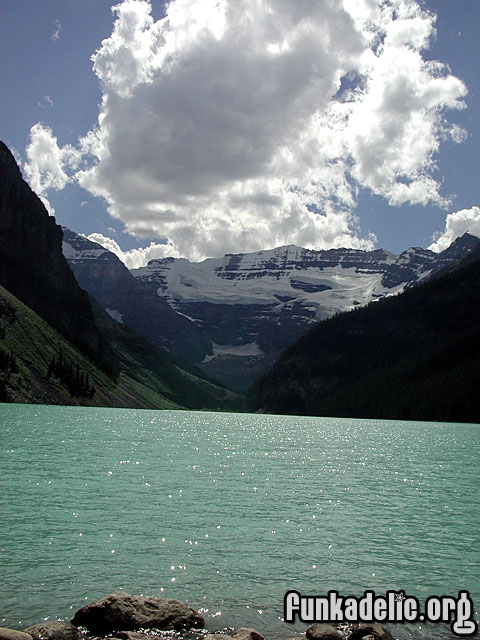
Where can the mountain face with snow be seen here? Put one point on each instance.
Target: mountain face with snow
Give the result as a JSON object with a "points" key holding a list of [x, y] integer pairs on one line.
{"points": [[129, 300], [415, 356], [237, 313]]}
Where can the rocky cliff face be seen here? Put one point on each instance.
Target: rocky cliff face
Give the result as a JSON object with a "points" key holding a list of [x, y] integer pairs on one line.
{"points": [[33, 268], [131, 301], [417, 264]]}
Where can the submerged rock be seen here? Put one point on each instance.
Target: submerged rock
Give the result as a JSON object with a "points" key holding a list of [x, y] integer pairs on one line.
{"points": [[322, 631], [124, 612], [12, 634], [54, 630], [131, 635], [366, 630], [247, 634]]}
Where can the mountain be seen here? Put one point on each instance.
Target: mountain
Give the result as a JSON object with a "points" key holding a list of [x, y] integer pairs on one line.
{"points": [[130, 301], [38, 365], [58, 345], [33, 268], [415, 356], [241, 311]]}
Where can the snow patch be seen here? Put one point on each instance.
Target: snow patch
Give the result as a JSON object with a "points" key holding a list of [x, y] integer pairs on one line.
{"points": [[248, 350], [115, 314], [92, 253], [189, 317]]}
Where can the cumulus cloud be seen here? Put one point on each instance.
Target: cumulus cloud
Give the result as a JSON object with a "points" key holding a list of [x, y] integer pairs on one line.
{"points": [[456, 224], [237, 125], [44, 165], [49, 166], [45, 161], [135, 258]]}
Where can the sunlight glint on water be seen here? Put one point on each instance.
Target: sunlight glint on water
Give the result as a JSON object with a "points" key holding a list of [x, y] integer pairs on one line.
{"points": [[229, 511]]}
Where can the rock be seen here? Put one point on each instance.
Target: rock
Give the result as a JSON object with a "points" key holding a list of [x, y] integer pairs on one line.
{"points": [[365, 630], [124, 612], [247, 634], [131, 635], [12, 634], [216, 636], [322, 631], [54, 630]]}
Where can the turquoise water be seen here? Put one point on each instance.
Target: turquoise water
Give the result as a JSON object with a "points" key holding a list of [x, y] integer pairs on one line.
{"points": [[229, 511]]}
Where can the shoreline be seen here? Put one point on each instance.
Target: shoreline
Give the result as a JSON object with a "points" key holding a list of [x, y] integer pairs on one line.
{"points": [[121, 616]]}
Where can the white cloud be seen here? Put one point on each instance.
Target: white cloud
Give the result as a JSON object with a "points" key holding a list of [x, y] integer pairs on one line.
{"points": [[45, 160], [135, 258], [45, 103], [222, 124], [49, 166], [458, 134], [456, 224], [44, 168], [56, 34]]}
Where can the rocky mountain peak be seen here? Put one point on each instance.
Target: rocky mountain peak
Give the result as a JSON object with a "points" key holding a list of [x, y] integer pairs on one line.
{"points": [[460, 247]]}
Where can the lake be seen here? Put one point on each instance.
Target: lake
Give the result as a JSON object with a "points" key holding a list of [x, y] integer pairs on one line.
{"points": [[229, 511]]}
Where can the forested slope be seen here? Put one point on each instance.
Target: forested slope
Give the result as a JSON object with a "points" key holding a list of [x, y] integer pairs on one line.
{"points": [[38, 365], [415, 356]]}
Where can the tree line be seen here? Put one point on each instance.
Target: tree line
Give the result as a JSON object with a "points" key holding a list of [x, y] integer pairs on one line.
{"points": [[77, 382]]}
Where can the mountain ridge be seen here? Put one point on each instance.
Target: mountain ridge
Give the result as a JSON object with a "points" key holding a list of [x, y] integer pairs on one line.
{"points": [[242, 310], [415, 356]]}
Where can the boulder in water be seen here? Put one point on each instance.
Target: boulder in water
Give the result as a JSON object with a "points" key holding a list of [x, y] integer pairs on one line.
{"points": [[366, 630], [322, 631], [124, 612], [247, 634], [54, 630], [12, 634]]}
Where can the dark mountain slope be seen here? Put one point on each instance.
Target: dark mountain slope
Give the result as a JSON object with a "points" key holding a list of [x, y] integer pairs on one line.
{"points": [[33, 345], [33, 268], [412, 356], [57, 345], [149, 377], [161, 371], [136, 303]]}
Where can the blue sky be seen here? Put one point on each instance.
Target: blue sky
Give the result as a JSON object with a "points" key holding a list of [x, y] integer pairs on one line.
{"points": [[222, 128]]}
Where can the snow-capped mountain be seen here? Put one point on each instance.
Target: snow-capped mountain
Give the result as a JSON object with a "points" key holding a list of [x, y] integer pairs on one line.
{"points": [[130, 301], [280, 277], [240, 311]]}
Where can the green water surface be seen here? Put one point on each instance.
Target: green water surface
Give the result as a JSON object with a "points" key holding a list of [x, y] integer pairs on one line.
{"points": [[229, 511]]}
